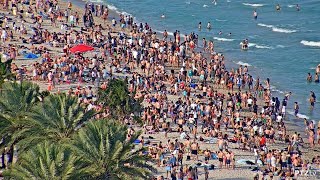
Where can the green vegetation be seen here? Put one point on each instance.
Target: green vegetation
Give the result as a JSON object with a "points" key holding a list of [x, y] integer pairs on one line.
{"points": [[117, 97], [55, 137]]}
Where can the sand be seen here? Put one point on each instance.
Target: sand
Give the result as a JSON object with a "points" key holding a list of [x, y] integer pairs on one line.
{"points": [[240, 171]]}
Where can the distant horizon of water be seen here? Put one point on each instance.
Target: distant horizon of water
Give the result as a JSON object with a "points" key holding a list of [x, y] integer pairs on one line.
{"points": [[284, 45]]}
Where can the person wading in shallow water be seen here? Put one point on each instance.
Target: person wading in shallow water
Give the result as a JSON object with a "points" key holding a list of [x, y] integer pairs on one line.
{"points": [[309, 77], [296, 109]]}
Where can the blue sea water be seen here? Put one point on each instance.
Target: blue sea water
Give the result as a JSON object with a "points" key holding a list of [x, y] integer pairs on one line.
{"points": [[284, 46]]}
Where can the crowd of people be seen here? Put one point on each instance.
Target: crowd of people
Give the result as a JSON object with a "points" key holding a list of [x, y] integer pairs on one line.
{"points": [[187, 89]]}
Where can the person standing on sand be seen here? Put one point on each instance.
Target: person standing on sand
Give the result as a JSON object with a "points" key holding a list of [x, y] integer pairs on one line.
{"points": [[311, 138], [194, 150]]}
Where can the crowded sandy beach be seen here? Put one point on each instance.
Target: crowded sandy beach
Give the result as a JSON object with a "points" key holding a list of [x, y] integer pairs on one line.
{"points": [[200, 119]]}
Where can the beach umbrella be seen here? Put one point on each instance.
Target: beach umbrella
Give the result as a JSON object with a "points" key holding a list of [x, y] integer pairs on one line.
{"points": [[30, 56], [81, 48]]}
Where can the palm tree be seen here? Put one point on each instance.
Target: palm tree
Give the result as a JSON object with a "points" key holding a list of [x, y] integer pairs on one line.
{"points": [[117, 97], [107, 154], [15, 101], [56, 119], [47, 162], [5, 73]]}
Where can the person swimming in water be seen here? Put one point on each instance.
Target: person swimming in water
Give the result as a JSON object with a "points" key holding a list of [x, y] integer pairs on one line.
{"points": [[309, 77], [244, 44], [297, 7], [163, 16], [199, 25], [229, 34], [255, 15], [214, 2], [220, 32], [209, 25], [278, 8]]}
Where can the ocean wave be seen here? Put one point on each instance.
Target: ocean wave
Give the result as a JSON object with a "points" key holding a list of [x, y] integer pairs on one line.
{"points": [[276, 29], [221, 20], [274, 89], [112, 8], [222, 39], [265, 25], [253, 5], [205, 6], [188, 2], [282, 30], [243, 63], [301, 116], [280, 46], [311, 43], [259, 46], [291, 6]]}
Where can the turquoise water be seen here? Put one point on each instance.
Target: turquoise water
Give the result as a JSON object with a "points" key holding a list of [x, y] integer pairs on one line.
{"points": [[285, 45]]}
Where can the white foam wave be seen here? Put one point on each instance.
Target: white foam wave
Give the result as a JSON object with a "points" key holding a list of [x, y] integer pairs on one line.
{"points": [[276, 29], [274, 89], [282, 30], [280, 46], [112, 8], [222, 39], [301, 116], [188, 2], [253, 5], [258, 46], [205, 6], [311, 43], [291, 6], [221, 20], [265, 25], [243, 63]]}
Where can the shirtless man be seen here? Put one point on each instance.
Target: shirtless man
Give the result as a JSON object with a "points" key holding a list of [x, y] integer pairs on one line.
{"points": [[294, 138], [255, 15], [220, 158], [228, 159], [311, 138], [194, 150], [207, 155]]}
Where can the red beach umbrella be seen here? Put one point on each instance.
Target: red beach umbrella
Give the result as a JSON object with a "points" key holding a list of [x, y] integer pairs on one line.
{"points": [[81, 48]]}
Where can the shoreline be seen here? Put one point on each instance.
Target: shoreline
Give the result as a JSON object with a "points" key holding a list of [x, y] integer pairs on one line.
{"points": [[231, 64], [65, 87]]}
